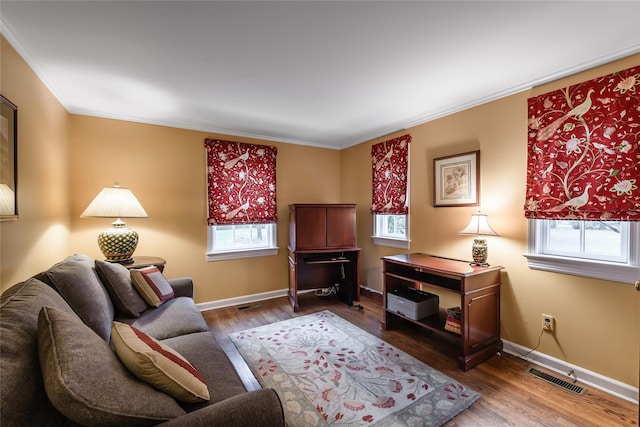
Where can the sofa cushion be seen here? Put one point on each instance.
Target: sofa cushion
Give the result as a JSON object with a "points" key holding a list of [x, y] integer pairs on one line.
{"points": [[75, 278], [176, 317], [85, 380], [157, 364], [21, 385], [152, 285], [117, 280], [208, 357]]}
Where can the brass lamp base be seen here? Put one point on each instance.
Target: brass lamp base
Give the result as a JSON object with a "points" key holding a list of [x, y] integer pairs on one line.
{"points": [[118, 242]]}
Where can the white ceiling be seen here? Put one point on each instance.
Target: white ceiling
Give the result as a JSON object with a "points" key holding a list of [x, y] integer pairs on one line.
{"points": [[330, 74]]}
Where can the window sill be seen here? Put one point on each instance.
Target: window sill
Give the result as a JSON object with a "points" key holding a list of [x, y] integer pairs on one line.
{"points": [[394, 243], [242, 253], [585, 268]]}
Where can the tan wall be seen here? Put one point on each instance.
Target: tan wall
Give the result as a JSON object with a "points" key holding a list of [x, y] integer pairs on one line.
{"points": [[165, 169], [597, 322], [41, 235]]}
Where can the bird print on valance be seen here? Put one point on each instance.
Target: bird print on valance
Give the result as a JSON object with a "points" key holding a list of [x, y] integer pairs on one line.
{"points": [[583, 150], [241, 182], [390, 170]]}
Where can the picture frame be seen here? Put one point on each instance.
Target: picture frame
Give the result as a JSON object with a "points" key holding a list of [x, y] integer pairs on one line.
{"points": [[456, 180], [8, 160]]}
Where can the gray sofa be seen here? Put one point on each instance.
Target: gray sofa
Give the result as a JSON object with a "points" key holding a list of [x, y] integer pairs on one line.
{"points": [[57, 366]]}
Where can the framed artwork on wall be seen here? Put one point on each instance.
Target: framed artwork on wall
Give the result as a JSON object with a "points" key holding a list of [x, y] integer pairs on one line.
{"points": [[8, 160], [456, 180]]}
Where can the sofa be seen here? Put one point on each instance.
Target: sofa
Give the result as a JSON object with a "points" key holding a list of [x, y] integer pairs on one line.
{"points": [[82, 344]]}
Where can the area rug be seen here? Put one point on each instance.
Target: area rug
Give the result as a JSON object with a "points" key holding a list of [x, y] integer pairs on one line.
{"points": [[328, 371]]}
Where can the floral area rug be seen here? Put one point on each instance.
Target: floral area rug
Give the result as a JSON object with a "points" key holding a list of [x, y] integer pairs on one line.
{"points": [[328, 371]]}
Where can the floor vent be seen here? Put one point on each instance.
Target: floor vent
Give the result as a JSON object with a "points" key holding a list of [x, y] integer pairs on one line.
{"points": [[557, 381], [245, 307]]}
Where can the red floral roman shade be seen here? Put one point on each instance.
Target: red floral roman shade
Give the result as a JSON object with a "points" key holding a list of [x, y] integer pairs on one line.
{"points": [[390, 170], [241, 182], [583, 150]]}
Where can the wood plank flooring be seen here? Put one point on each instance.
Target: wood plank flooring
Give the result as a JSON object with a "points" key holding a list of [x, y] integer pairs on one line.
{"points": [[509, 396]]}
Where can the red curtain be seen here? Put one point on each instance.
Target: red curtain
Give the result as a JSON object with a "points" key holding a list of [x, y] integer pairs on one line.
{"points": [[390, 170], [241, 182], [583, 150]]}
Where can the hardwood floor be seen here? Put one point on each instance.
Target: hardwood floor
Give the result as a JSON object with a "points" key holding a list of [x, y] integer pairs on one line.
{"points": [[509, 396]]}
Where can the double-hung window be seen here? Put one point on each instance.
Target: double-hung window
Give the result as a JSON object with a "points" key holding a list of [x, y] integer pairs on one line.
{"points": [[241, 189], [582, 195], [390, 192]]}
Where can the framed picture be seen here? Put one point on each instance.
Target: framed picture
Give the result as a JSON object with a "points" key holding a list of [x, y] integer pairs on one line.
{"points": [[8, 160], [456, 180]]}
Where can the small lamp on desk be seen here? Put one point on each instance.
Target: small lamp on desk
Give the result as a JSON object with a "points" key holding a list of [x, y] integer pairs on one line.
{"points": [[118, 242], [479, 226]]}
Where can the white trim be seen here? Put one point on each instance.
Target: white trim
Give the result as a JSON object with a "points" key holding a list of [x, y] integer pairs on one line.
{"points": [[241, 253], [375, 291], [585, 376], [228, 302], [582, 267], [394, 243]]}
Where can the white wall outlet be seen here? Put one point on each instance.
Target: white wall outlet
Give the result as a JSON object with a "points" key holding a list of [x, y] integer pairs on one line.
{"points": [[548, 323]]}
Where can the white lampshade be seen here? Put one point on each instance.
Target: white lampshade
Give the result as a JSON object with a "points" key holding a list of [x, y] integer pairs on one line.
{"points": [[479, 226], [115, 202], [7, 200], [118, 242]]}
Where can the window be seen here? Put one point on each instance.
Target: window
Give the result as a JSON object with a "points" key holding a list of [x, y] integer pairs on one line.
{"points": [[608, 250], [391, 230], [241, 202], [241, 241]]}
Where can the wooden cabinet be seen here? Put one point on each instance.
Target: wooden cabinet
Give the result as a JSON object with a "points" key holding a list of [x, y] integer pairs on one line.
{"points": [[322, 248], [479, 291]]}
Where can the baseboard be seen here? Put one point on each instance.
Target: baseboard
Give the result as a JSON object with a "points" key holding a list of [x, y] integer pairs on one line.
{"points": [[246, 299], [585, 376]]}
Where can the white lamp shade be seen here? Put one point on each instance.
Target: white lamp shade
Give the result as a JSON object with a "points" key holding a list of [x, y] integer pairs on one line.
{"points": [[7, 200], [479, 226], [115, 202]]}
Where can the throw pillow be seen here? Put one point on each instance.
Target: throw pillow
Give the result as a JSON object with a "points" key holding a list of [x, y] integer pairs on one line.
{"points": [[87, 383], [152, 285], [75, 278], [158, 364], [117, 280]]}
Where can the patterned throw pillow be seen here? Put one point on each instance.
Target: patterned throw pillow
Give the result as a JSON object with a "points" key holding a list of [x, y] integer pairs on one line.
{"points": [[152, 285], [157, 364]]}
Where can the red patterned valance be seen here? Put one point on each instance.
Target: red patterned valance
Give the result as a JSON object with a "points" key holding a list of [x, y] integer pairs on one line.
{"points": [[390, 170], [241, 182], [583, 150]]}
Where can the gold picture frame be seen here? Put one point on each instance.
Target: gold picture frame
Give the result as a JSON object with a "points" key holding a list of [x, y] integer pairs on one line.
{"points": [[456, 180], [8, 160]]}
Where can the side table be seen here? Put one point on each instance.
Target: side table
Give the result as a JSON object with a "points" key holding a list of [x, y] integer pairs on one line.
{"points": [[146, 261]]}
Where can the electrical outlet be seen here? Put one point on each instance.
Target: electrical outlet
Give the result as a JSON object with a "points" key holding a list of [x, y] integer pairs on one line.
{"points": [[548, 323]]}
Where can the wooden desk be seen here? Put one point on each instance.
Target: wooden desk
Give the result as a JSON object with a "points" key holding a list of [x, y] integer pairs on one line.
{"points": [[479, 290], [146, 261]]}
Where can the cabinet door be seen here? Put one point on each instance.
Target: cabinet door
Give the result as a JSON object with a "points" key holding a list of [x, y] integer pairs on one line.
{"points": [[311, 228], [341, 229]]}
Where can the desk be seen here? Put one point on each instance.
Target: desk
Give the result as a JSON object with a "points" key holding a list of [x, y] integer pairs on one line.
{"points": [[146, 261], [479, 290]]}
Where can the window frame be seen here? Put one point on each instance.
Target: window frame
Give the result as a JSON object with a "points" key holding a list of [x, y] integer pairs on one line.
{"points": [[270, 249], [380, 239], [597, 269]]}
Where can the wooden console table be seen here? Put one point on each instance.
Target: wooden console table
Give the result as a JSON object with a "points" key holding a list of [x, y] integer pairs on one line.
{"points": [[322, 248], [479, 289]]}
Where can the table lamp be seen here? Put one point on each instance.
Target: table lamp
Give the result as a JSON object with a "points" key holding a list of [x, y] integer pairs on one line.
{"points": [[118, 242], [479, 226]]}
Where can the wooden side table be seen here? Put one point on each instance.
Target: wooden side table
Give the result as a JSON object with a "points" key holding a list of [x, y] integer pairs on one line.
{"points": [[146, 261]]}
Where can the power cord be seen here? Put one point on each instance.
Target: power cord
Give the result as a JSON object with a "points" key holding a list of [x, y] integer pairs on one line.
{"points": [[524, 356], [328, 291]]}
